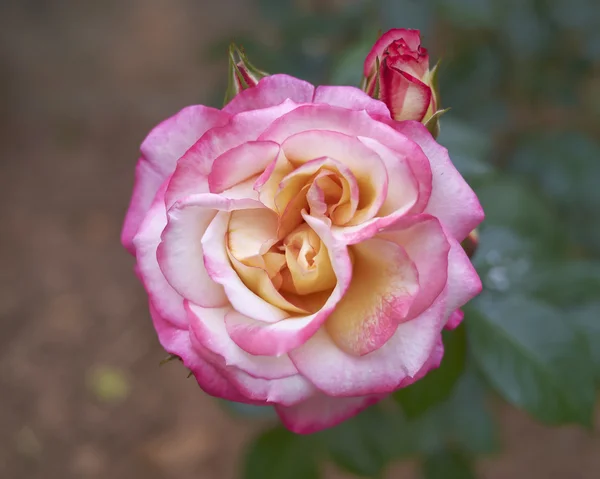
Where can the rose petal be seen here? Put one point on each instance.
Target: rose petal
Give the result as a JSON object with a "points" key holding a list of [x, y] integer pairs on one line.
{"points": [[240, 164], [180, 254], [193, 168], [271, 91], [208, 326], [407, 97], [287, 391], [352, 123], [280, 337], [219, 268], [321, 412], [411, 37], [350, 97], [455, 319], [177, 341], [366, 166], [384, 284], [379, 372], [425, 242], [161, 149], [147, 183], [167, 302], [463, 281], [452, 201]]}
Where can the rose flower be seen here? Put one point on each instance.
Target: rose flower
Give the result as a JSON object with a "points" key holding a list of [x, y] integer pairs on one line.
{"points": [[300, 248]]}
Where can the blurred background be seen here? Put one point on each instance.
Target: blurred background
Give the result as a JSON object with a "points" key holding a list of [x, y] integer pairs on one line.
{"points": [[81, 391]]}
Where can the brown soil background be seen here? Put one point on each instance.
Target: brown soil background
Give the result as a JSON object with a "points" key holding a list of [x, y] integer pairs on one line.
{"points": [[81, 82]]}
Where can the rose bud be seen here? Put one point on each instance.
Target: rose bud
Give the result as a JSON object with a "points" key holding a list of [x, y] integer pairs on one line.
{"points": [[470, 243], [242, 74], [300, 248], [397, 72]]}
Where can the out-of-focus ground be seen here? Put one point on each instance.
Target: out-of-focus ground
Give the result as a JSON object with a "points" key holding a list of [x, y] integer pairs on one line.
{"points": [[81, 393]]}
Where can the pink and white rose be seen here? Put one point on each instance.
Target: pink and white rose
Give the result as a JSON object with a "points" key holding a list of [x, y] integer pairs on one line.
{"points": [[301, 248]]}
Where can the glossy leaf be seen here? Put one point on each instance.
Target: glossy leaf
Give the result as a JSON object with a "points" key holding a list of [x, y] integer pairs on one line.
{"points": [[438, 384], [365, 444], [278, 453], [533, 357], [447, 464]]}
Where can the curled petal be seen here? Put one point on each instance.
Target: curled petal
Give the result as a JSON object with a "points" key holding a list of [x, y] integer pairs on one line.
{"points": [[352, 123], [281, 337], [241, 163], [271, 91], [462, 213], [161, 149], [181, 255], [219, 267], [147, 183], [166, 301], [208, 327], [321, 412], [350, 97], [384, 285], [426, 244], [366, 166], [177, 341], [455, 319], [191, 173], [407, 97], [380, 371], [463, 281], [287, 391], [411, 37]]}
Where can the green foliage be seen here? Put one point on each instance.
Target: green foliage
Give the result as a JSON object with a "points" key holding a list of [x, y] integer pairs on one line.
{"points": [[533, 357], [365, 444], [278, 453], [447, 465]]}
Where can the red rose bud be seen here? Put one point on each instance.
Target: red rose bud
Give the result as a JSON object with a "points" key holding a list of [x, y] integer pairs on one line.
{"points": [[397, 73], [242, 74], [470, 243]]}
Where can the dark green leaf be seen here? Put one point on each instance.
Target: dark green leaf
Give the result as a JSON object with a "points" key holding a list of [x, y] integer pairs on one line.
{"points": [[447, 464], [587, 319], [438, 384], [566, 168], [462, 421], [532, 357], [278, 453], [365, 444], [510, 203]]}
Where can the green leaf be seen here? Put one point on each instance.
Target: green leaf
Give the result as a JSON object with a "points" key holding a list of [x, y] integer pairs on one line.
{"points": [[463, 421], [586, 319], [532, 357], [565, 166], [278, 453], [513, 204], [365, 444], [438, 384], [447, 464]]}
